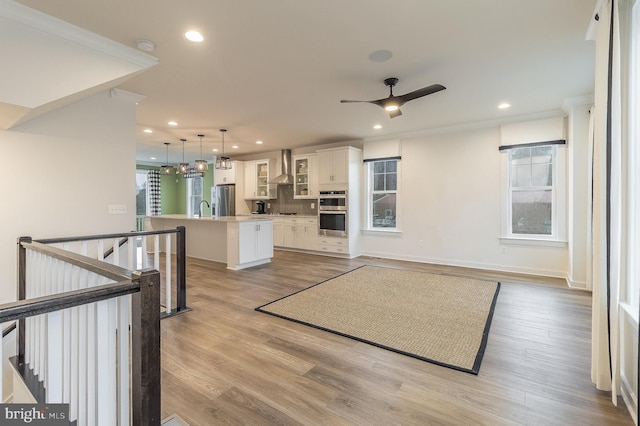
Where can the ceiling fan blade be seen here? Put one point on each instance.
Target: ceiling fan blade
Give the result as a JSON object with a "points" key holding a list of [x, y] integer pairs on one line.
{"points": [[421, 92], [395, 113], [346, 102]]}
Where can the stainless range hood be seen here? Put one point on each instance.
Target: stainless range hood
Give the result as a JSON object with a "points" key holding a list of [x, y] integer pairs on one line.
{"points": [[285, 177]]}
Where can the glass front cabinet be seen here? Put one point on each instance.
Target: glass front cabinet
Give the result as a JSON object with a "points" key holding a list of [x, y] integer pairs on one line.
{"points": [[305, 176]]}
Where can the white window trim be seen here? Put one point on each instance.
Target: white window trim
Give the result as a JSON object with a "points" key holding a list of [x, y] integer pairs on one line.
{"points": [[558, 236], [368, 185]]}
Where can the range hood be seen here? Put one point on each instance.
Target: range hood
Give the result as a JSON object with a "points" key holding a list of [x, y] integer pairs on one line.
{"points": [[285, 177]]}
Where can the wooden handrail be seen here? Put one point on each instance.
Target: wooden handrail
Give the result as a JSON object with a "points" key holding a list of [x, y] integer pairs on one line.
{"points": [[41, 305], [107, 270], [103, 236]]}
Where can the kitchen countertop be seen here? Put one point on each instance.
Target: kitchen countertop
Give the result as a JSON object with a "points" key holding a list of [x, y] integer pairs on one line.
{"points": [[246, 218]]}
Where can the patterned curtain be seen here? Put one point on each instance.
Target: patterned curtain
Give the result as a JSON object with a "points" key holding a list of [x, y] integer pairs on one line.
{"points": [[155, 205]]}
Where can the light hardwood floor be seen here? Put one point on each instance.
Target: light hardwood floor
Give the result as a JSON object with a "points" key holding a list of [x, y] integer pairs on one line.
{"points": [[224, 363]]}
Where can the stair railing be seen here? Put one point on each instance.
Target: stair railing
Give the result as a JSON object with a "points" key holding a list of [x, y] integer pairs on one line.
{"points": [[131, 250], [90, 332]]}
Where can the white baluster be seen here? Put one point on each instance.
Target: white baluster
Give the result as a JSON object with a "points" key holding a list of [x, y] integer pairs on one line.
{"points": [[123, 362], [167, 274], [93, 337], [131, 247], [143, 261]]}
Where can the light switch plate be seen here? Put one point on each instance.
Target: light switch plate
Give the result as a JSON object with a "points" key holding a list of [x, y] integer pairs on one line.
{"points": [[117, 209]]}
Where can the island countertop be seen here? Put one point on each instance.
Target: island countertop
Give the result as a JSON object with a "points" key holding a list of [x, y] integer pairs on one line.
{"points": [[214, 219]]}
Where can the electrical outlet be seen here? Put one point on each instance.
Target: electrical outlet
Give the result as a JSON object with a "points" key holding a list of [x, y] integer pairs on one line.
{"points": [[268, 205], [313, 206], [117, 209]]}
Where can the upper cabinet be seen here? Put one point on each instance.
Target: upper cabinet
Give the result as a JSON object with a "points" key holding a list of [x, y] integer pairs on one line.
{"points": [[305, 176], [256, 180], [336, 165], [228, 177]]}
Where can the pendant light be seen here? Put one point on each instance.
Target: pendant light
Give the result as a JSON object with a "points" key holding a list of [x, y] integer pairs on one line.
{"points": [[183, 167], [167, 169], [222, 162], [201, 165]]}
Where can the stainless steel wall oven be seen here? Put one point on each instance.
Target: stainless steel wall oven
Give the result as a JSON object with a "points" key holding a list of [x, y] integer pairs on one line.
{"points": [[333, 214]]}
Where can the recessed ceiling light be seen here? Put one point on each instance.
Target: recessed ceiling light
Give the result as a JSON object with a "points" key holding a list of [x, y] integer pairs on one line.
{"points": [[215, 150], [172, 123], [504, 105], [259, 142], [235, 147], [153, 158], [377, 126], [193, 36], [148, 131]]}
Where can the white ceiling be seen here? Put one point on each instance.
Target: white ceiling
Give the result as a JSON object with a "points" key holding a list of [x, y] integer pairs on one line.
{"points": [[276, 70]]}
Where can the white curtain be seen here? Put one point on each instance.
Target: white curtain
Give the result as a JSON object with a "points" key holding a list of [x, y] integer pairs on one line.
{"points": [[607, 199]]}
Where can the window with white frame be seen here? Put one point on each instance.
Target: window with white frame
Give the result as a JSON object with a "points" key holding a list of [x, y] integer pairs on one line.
{"points": [[382, 194], [535, 192], [194, 194]]}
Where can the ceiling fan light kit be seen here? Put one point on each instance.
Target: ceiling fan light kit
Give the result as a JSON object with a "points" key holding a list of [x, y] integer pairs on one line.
{"points": [[393, 103]]}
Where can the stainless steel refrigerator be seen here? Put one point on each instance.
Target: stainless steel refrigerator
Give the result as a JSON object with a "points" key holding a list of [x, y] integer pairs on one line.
{"points": [[223, 200]]}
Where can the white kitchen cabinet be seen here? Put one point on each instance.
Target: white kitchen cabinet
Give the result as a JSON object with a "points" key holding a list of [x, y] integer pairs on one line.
{"points": [[229, 176], [278, 231], [333, 167], [305, 174], [256, 180], [333, 245], [255, 241], [300, 233]]}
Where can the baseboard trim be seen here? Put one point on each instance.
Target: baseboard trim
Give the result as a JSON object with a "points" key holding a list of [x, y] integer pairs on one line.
{"points": [[628, 398], [483, 266]]}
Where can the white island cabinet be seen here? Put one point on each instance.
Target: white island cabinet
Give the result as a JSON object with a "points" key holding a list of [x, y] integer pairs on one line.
{"points": [[239, 241], [255, 242]]}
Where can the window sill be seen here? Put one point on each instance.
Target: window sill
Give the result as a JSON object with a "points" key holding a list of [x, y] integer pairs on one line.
{"points": [[375, 231], [535, 242]]}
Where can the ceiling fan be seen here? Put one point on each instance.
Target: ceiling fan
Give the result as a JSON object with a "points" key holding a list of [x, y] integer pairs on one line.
{"points": [[393, 103]]}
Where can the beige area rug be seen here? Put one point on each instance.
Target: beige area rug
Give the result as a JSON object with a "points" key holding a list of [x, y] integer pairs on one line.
{"points": [[436, 318]]}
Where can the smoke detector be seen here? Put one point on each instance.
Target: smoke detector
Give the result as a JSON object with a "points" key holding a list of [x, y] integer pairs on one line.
{"points": [[146, 45]]}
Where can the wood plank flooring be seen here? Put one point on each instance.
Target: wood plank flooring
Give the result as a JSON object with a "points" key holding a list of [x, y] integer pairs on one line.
{"points": [[225, 364]]}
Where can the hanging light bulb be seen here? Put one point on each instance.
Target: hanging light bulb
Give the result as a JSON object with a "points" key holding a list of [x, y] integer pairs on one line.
{"points": [[183, 167], [222, 162], [201, 165], [167, 169]]}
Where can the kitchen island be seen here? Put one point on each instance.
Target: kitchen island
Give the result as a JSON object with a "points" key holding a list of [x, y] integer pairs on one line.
{"points": [[239, 241]]}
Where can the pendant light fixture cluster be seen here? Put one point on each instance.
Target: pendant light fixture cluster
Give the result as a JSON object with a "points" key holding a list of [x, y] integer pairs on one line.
{"points": [[200, 166], [222, 162]]}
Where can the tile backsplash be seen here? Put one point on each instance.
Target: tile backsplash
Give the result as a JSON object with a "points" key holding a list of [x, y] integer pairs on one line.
{"points": [[285, 203]]}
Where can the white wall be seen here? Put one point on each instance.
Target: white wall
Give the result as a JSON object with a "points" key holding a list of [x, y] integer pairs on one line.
{"points": [[61, 171], [451, 208]]}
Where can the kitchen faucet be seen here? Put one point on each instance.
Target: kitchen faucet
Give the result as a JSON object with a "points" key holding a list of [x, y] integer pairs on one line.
{"points": [[200, 207]]}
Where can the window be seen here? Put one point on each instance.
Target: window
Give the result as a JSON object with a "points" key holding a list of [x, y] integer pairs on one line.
{"points": [[194, 195], [531, 190], [382, 198], [534, 207]]}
